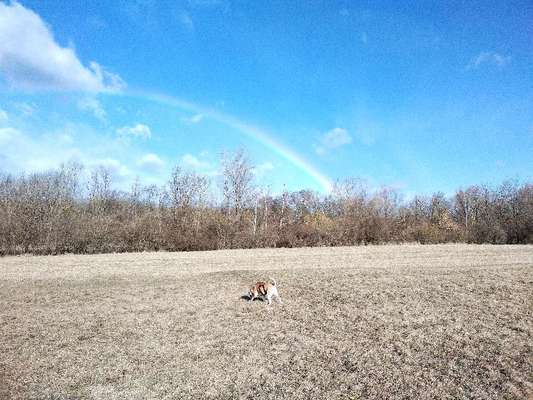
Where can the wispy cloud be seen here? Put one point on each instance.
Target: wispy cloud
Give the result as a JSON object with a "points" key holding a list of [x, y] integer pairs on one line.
{"points": [[31, 59], [65, 138], [192, 162], [196, 118], [185, 20], [19, 152], [92, 105], [25, 109], [333, 139], [151, 162], [7, 135], [139, 130], [142, 12], [3, 116], [118, 170], [32, 150], [488, 58], [262, 169]]}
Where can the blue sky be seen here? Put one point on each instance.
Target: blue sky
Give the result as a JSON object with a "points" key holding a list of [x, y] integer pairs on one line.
{"points": [[422, 96]]}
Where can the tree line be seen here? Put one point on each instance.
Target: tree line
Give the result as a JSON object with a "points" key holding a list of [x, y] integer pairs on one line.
{"points": [[71, 210]]}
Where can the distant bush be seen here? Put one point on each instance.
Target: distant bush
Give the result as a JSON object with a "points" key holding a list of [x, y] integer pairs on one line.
{"points": [[63, 211]]}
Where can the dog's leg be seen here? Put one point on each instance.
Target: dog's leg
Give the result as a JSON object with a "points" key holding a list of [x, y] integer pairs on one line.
{"points": [[275, 294]]}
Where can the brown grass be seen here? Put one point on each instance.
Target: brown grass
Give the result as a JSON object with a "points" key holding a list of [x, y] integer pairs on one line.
{"points": [[409, 321]]}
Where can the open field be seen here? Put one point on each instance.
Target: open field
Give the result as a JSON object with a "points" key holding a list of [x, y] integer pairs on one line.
{"points": [[408, 321]]}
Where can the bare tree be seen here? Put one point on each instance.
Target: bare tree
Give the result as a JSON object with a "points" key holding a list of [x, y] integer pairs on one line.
{"points": [[50, 212], [188, 192], [237, 182], [99, 188]]}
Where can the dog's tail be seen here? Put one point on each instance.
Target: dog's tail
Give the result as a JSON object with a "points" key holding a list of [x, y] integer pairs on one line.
{"points": [[273, 281]]}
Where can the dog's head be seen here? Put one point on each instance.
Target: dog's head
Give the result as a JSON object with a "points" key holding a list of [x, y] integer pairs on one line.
{"points": [[257, 290]]}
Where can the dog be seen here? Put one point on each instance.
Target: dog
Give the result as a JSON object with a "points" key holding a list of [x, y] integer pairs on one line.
{"points": [[266, 290]]}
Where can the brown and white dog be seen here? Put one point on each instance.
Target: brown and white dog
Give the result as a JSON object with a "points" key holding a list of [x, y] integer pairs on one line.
{"points": [[265, 290]]}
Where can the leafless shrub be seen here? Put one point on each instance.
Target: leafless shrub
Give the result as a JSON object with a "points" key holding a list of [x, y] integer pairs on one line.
{"points": [[187, 192], [57, 212]]}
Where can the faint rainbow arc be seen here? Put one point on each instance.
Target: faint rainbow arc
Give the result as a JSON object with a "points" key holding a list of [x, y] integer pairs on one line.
{"points": [[247, 129]]}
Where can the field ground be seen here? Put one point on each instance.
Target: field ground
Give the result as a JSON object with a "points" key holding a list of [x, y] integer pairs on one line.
{"points": [[399, 321]]}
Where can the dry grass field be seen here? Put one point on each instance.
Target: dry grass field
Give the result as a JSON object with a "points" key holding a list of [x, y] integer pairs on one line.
{"points": [[375, 322]]}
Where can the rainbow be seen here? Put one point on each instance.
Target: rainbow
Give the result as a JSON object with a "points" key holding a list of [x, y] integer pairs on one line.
{"points": [[251, 131]]}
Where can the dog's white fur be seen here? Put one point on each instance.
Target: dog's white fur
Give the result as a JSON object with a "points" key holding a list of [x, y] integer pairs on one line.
{"points": [[271, 291]]}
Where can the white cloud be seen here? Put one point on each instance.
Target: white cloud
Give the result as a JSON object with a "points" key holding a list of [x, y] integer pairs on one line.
{"points": [[3, 116], [92, 105], [151, 162], [333, 139], [319, 150], [263, 168], [114, 166], [190, 161], [35, 150], [25, 109], [196, 118], [336, 137], [139, 130], [7, 135], [186, 21], [31, 59], [489, 58], [65, 138], [20, 152]]}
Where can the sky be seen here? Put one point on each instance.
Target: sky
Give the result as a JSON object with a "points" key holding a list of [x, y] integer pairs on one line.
{"points": [[419, 96]]}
